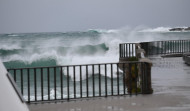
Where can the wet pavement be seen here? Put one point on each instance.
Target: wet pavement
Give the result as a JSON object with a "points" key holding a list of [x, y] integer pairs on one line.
{"points": [[171, 84]]}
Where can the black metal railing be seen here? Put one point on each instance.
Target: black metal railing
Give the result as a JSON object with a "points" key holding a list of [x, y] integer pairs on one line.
{"points": [[127, 50], [166, 47], [156, 48], [80, 81]]}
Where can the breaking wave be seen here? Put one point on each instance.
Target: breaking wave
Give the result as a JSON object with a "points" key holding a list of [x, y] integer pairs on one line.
{"points": [[91, 46]]}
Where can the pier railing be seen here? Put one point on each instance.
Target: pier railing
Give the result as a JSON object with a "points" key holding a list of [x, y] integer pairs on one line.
{"points": [[127, 50], [81, 81], [156, 48], [166, 47]]}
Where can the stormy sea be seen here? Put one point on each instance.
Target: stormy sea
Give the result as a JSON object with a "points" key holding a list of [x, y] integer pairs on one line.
{"points": [[68, 48], [23, 50]]}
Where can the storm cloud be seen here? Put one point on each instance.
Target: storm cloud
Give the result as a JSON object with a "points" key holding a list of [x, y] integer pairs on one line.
{"points": [[18, 16]]}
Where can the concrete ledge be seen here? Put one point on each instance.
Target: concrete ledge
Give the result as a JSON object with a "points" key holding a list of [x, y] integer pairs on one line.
{"points": [[186, 58], [145, 60], [10, 100], [172, 55]]}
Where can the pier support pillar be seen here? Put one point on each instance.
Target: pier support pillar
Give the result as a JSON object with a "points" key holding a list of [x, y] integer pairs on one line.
{"points": [[146, 79]]}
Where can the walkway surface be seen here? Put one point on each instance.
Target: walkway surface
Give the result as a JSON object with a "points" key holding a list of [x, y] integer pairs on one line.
{"points": [[171, 84]]}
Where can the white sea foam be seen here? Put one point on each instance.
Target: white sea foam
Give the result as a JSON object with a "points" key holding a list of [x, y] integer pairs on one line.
{"points": [[13, 35], [47, 47], [10, 46], [44, 48], [158, 29]]}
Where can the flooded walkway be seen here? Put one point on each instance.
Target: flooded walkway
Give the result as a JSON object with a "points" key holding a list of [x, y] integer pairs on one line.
{"points": [[171, 84]]}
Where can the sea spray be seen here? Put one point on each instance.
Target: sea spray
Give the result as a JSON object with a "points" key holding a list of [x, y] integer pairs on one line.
{"points": [[92, 46]]}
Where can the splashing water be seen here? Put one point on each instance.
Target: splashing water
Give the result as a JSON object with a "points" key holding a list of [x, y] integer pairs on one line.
{"points": [[93, 46]]}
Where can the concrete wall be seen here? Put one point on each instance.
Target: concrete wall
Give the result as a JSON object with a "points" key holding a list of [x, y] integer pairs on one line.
{"points": [[9, 100]]}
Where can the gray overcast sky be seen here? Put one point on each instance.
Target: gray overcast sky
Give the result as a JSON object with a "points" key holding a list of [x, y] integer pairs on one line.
{"points": [[75, 15]]}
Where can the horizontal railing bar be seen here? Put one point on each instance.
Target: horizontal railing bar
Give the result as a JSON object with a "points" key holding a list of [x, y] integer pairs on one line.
{"points": [[151, 41], [66, 99], [73, 99], [128, 43], [161, 41], [155, 41]]}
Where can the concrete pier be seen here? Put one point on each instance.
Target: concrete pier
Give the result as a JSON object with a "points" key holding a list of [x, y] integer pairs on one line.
{"points": [[170, 81]]}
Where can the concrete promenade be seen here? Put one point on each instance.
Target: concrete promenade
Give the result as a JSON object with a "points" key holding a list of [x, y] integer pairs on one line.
{"points": [[170, 82]]}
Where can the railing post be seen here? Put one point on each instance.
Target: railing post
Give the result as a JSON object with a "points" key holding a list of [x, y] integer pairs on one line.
{"points": [[74, 83], [21, 74], [86, 81], [146, 78], [42, 86], [118, 80], [28, 83], [80, 69], [35, 85], [99, 70], [120, 51], [111, 69]]}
